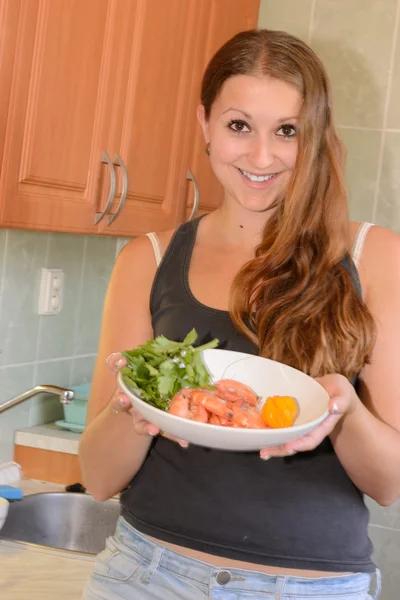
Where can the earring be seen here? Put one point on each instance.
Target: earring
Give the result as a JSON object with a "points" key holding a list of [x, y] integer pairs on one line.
{"points": [[208, 149]]}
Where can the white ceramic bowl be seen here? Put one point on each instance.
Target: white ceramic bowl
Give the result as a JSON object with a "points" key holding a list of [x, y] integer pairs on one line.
{"points": [[267, 378], [3, 511]]}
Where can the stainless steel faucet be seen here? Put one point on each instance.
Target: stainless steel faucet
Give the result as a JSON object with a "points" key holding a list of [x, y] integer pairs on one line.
{"points": [[65, 396]]}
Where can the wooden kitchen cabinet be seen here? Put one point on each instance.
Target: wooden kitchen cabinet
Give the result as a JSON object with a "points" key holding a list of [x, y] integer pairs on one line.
{"points": [[58, 120], [152, 113], [101, 95]]}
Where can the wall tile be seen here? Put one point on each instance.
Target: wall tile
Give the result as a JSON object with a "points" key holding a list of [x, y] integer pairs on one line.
{"points": [[355, 42], [99, 259], [386, 516], [19, 321], [388, 209], [46, 408], [82, 370], [56, 331], [292, 16], [393, 121], [362, 170], [121, 242], [387, 557], [13, 381], [3, 240]]}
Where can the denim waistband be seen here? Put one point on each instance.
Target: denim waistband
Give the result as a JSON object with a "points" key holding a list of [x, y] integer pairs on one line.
{"points": [[158, 556]]}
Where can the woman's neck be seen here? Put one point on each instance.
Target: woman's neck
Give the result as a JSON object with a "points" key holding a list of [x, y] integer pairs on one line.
{"points": [[239, 227]]}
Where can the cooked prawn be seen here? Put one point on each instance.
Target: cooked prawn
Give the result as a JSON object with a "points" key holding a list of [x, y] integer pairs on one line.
{"points": [[249, 418], [234, 391], [179, 406], [232, 404], [215, 420], [212, 403], [182, 406]]}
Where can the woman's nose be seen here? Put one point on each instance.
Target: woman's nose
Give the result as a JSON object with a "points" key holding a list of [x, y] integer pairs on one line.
{"points": [[261, 154]]}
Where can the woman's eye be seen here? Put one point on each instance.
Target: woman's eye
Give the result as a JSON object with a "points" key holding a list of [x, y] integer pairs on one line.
{"points": [[239, 126], [287, 131]]}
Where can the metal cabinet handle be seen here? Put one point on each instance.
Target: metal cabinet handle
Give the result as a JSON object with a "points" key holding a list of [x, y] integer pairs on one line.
{"points": [[196, 200], [105, 159], [125, 184]]}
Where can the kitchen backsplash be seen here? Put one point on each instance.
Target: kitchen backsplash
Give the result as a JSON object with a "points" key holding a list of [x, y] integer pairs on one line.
{"points": [[59, 349]]}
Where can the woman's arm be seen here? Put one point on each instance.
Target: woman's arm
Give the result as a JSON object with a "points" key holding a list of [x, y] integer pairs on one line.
{"points": [[110, 450], [367, 441], [365, 430]]}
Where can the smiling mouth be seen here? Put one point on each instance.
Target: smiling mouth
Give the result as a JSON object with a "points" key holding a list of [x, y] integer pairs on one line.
{"points": [[257, 178]]}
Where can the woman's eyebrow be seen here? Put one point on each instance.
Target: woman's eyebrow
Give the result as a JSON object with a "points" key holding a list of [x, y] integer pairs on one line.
{"points": [[238, 110], [248, 116], [294, 118]]}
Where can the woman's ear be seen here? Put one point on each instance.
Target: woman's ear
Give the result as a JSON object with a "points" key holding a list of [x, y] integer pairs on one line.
{"points": [[201, 115]]}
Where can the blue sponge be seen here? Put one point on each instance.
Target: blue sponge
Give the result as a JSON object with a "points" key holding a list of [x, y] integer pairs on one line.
{"points": [[11, 493]]}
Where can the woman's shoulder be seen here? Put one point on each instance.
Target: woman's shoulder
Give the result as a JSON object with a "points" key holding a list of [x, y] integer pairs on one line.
{"points": [[380, 256], [142, 249], [379, 240]]}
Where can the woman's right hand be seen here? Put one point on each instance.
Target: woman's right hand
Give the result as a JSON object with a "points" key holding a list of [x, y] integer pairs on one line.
{"points": [[120, 403]]}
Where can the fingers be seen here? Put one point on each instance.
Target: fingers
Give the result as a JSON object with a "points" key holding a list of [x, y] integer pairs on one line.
{"points": [[179, 441], [153, 429], [116, 361], [305, 443], [120, 403], [276, 452]]}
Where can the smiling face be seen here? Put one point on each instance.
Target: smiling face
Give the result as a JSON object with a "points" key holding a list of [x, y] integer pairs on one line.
{"points": [[252, 131]]}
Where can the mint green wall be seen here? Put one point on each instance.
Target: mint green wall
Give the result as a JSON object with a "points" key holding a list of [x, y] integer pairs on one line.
{"points": [[58, 349]]}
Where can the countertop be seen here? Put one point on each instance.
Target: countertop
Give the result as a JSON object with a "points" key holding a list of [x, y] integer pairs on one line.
{"points": [[48, 437], [33, 486], [34, 573]]}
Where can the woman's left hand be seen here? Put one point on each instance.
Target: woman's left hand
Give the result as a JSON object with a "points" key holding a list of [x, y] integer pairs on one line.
{"points": [[343, 400]]}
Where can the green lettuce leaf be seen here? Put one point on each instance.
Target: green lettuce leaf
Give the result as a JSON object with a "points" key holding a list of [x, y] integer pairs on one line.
{"points": [[158, 369]]}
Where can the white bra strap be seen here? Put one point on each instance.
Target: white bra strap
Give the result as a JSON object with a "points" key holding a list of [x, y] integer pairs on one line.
{"points": [[155, 242], [358, 244]]}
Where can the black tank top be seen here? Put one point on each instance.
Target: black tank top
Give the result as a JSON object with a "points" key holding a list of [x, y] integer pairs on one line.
{"points": [[298, 512]]}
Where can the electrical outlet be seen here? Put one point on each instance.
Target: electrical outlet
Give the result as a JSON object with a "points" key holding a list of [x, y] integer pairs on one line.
{"points": [[51, 291]]}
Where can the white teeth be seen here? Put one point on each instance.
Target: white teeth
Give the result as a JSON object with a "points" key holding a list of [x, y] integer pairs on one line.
{"points": [[255, 177]]}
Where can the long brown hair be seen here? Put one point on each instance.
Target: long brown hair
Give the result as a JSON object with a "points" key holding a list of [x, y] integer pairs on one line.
{"points": [[294, 299]]}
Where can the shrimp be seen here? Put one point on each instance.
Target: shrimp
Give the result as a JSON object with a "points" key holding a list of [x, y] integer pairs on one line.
{"points": [[198, 413], [234, 391], [235, 409], [249, 418], [179, 406], [212, 403], [214, 420]]}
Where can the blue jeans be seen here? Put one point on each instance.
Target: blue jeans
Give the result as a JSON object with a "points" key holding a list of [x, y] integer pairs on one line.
{"points": [[133, 567]]}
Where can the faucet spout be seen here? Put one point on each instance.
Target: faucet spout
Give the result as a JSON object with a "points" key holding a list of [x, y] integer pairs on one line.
{"points": [[65, 395]]}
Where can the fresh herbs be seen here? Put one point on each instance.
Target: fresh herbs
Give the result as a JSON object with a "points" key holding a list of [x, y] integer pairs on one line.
{"points": [[158, 369]]}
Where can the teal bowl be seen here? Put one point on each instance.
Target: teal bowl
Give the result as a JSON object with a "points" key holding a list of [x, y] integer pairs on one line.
{"points": [[76, 411]]}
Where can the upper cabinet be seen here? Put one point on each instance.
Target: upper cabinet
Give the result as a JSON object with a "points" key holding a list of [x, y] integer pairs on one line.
{"points": [[98, 129], [59, 113]]}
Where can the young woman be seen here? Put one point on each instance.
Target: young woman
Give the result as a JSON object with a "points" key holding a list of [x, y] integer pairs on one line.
{"points": [[277, 270]]}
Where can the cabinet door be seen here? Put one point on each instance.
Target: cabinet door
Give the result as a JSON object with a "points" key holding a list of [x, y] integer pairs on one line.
{"points": [[221, 19], [9, 15], [152, 111], [60, 112]]}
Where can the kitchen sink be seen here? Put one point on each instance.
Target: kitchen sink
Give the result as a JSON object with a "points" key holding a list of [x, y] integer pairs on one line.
{"points": [[62, 520]]}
